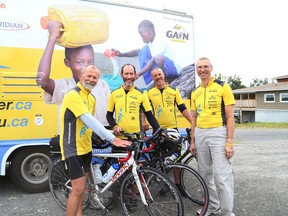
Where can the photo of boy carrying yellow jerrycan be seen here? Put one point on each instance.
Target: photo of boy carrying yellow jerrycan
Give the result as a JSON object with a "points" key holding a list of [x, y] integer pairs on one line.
{"points": [[82, 25]]}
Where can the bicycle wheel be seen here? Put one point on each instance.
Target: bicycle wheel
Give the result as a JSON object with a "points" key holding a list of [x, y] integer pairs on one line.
{"points": [[161, 194], [191, 161], [193, 186], [60, 184]]}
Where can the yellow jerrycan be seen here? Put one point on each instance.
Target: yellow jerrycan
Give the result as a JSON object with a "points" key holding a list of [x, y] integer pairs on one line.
{"points": [[82, 25]]}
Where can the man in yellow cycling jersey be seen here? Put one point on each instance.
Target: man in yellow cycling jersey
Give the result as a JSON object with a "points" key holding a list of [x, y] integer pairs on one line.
{"points": [[212, 132], [127, 102], [77, 124], [164, 99]]}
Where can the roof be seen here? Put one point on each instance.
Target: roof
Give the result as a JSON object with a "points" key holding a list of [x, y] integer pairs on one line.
{"points": [[280, 77], [283, 86]]}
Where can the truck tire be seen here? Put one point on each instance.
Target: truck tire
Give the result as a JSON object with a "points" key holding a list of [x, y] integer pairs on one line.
{"points": [[29, 169]]}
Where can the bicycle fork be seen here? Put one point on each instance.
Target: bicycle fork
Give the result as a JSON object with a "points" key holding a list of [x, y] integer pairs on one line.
{"points": [[140, 182]]}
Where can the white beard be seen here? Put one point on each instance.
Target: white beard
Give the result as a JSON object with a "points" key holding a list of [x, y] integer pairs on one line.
{"points": [[88, 86]]}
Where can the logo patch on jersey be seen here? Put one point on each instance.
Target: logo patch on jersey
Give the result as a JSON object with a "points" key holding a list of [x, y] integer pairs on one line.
{"points": [[83, 130], [133, 97], [213, 90], [120, 115], [199, 110], [159, 111]]}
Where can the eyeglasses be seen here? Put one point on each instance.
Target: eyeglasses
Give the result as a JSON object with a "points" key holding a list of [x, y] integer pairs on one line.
{"points": [[203, 67]]}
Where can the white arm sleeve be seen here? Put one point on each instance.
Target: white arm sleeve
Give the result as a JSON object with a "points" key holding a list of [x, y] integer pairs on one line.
{"points": [[97, 127]]}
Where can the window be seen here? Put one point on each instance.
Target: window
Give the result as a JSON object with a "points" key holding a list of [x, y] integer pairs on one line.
{"points": [[245, 97], [269, 98], [283, 97], [252, 96], [237, 96]]}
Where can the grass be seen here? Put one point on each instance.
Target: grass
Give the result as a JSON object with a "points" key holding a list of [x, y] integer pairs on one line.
{"points": [[262, 125]]}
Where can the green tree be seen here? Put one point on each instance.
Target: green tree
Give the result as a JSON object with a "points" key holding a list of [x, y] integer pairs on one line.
{"points": [[259, 82], [234, 82]]}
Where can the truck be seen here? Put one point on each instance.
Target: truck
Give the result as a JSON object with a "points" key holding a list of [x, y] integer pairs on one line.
{"points": [[27, 123]]}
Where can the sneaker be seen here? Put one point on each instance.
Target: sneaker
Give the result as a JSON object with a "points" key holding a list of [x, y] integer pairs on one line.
{"points": [[210, 212], [181, 190]]}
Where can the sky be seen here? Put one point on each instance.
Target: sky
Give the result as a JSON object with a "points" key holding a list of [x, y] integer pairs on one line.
{"points": [[246, 38]]}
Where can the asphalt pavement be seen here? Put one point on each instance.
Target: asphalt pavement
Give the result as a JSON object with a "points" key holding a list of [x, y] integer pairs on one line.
{"points": [[260, 171]]}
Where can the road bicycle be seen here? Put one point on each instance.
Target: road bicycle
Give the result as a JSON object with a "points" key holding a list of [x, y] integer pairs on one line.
{"points": [[140, 187], [192, 185]]}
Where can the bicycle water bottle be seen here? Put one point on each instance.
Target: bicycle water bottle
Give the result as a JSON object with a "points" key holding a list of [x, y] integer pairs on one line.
{"points": [[97, 173], [171, 158], [184, 146], [110, 172]]}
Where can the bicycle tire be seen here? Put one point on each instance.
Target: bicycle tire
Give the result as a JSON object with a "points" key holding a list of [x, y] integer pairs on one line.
{"points": [[194, 187], [191, 161], [60, 185], [166, 199]]}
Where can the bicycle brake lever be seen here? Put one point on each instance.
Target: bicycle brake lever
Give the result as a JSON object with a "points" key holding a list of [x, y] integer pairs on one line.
{"points": [[132, 147]]}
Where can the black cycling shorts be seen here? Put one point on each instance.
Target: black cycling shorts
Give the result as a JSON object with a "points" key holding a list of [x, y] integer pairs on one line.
{"points": [[78, 165]]}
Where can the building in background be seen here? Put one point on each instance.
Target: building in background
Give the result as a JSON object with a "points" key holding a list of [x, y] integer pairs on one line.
{"points": [[265, 103]]}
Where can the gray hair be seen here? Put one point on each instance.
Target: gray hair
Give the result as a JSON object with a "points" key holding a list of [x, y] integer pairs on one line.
{"points": [[205, 58], [90, 67]]}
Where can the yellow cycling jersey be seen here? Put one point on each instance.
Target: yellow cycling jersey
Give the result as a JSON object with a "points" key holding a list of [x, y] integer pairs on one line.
{"points": [[75, 136], [210, 103], [163, 104], [127, 108]]}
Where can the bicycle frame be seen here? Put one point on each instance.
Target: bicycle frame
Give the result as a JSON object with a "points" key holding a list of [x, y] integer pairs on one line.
{"points": [[134, 185], [129, 161]]}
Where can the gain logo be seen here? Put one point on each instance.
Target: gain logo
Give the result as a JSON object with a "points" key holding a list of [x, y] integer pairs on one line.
{"points": [[13, 25], [178, 34]]}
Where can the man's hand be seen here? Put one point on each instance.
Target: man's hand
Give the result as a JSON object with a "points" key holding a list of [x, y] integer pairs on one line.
{"points": [[120, 143], [192, 148], [229, 151], [146, 127], [117, 130]]}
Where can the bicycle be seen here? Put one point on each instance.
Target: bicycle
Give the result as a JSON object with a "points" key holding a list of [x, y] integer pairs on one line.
{"points": [[138, 184], [192, 184]]}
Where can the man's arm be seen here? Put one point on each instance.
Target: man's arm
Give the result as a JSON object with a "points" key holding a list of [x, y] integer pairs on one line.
{"points": [[44, 68], [145, 125], [229, 151], [97, 127], [101, 131], [111, 119], [193, 125], [187, 115], [152, 120], [117, 130], [183, 109]]}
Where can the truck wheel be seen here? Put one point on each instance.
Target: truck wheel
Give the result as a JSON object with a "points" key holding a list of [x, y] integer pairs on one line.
{"points": [[29, 169]]}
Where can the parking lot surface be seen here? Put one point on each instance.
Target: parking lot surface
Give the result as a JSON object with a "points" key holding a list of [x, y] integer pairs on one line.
{"points": [[260, 172]]}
